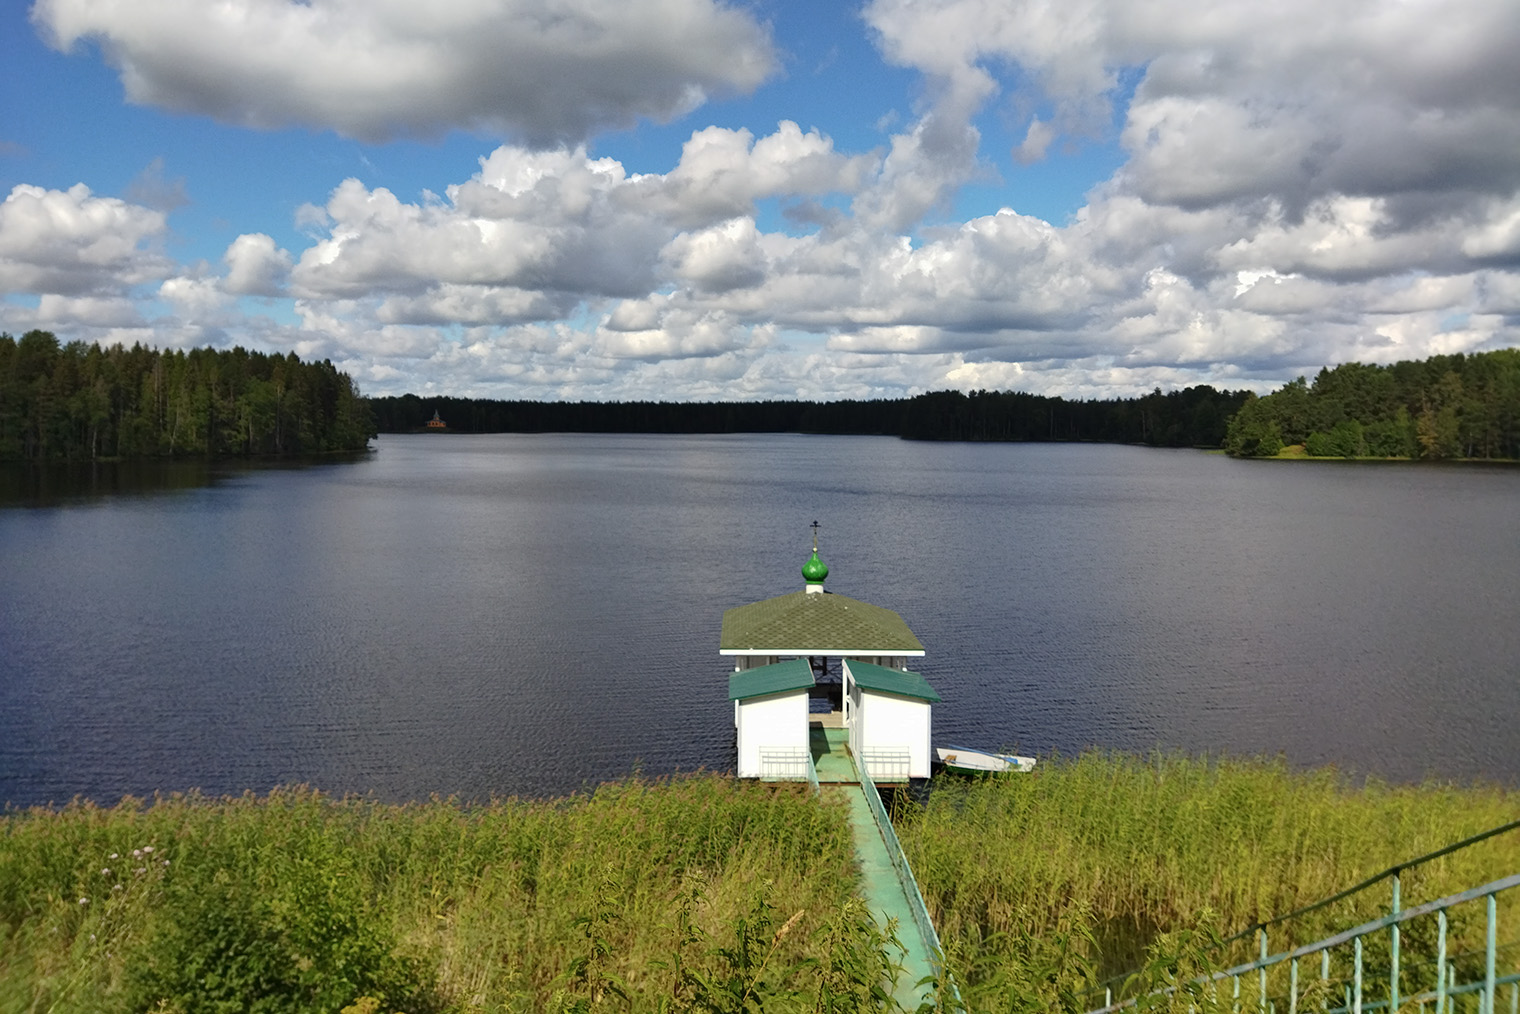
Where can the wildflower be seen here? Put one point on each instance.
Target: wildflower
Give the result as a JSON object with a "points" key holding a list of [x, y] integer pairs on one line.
{"points": [[140, 870], [105, 871], [116, 887], [113, 855], [84, 901], [166, 862], [137, 853], [147, 848]]}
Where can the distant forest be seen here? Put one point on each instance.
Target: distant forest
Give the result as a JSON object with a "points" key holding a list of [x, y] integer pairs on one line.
{"points": [[1459, 406], [80, 402], [1195, 417]]}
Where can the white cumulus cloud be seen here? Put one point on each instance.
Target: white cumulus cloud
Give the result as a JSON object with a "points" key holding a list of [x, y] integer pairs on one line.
{"points": [[1302, 185], [255, 266], [72, 242], [544, 70]]}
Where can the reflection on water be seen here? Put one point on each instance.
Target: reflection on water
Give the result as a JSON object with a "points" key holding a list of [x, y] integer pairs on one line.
{"points": [[55, 484], [530, 614], [51, 485]]}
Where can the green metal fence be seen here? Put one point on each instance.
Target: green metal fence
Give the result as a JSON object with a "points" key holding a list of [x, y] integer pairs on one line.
{"points": [[1393, 878], [1350, 983]]}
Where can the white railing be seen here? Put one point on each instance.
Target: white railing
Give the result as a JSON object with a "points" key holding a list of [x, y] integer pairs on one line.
{"points": [[887, 764], [784, 763]]}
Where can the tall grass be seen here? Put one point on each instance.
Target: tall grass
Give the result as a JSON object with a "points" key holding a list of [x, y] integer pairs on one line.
{"points": [[707, 894], [1044, 885], [697, 893]]}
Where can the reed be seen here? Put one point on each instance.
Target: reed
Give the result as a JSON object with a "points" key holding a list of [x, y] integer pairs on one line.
{"points": [[691, 893], [704, 893], [1044, 885]]}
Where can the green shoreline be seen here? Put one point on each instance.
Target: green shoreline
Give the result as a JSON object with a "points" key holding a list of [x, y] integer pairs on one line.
{"points": [[1297, 452], [692, 893]]}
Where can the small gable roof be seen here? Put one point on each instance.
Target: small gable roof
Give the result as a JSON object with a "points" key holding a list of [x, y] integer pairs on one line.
{"points": [[815, 624], [891, 681], [793, 674]]}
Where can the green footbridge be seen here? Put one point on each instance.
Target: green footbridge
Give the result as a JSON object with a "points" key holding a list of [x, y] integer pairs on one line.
{"points": [[886, 881]]}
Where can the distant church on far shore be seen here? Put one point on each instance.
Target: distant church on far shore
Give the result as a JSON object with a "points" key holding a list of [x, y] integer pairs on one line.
{"points": [[437, 423]]}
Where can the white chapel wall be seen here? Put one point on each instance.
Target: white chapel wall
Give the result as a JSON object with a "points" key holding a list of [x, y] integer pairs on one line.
{"points": [[774, 721], [891, 722]]}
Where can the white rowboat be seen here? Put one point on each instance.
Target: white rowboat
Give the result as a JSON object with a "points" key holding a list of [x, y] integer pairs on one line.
{"points": [[959, 758]]}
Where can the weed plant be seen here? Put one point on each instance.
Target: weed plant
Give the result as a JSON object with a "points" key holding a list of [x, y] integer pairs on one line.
{"points": [[698, 893], [1043, 886]]}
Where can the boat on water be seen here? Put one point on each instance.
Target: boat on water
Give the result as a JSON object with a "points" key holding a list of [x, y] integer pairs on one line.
{"points": [[960, 758]]}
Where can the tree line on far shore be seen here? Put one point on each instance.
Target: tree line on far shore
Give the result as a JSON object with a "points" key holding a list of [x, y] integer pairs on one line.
{"points": [[75, 401], [1444, 407], [1194, 417], [80, 402]]}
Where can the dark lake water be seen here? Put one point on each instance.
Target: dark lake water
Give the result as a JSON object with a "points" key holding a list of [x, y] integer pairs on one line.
{"points": [[531, 614]]}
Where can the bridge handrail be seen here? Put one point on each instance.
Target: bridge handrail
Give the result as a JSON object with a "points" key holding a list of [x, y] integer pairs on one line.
{"points": [[905, 876], [1442, 991], [899, 860], [1373, 880], [1393, 872]]}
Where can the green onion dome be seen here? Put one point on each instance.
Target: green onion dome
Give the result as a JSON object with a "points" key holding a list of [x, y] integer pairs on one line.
{"points": [[815, 570]]}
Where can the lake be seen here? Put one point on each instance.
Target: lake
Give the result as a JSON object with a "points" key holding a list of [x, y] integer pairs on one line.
{"points": [[531, 614]]}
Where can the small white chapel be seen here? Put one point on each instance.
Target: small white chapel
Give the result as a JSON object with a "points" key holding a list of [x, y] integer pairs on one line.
{"points": [[793, 653]]}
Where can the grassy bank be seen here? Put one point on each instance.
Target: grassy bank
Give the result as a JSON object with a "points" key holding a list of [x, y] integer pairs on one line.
{"points": [[704, 894], [1042, 886], [698, 893]]}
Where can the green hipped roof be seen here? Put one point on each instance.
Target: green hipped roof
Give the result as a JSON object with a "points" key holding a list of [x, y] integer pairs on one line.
{"points": [[892, 681], [815, 623], [793, 674]]}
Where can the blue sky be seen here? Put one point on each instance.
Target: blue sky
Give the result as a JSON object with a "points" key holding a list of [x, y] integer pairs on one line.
{"points": [[687, 200]]}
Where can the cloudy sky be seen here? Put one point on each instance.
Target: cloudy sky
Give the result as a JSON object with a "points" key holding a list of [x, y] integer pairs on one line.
{"points": [[682, 199]]}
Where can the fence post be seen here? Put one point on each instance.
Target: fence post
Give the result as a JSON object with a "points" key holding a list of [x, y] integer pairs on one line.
{"points": [[1488, 973], [1261, 988], [1393, 977], [1441, 962], [1356, 982]]}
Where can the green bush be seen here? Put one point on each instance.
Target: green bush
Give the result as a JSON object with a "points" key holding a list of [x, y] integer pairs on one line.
{"points": [[294, 934]]}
